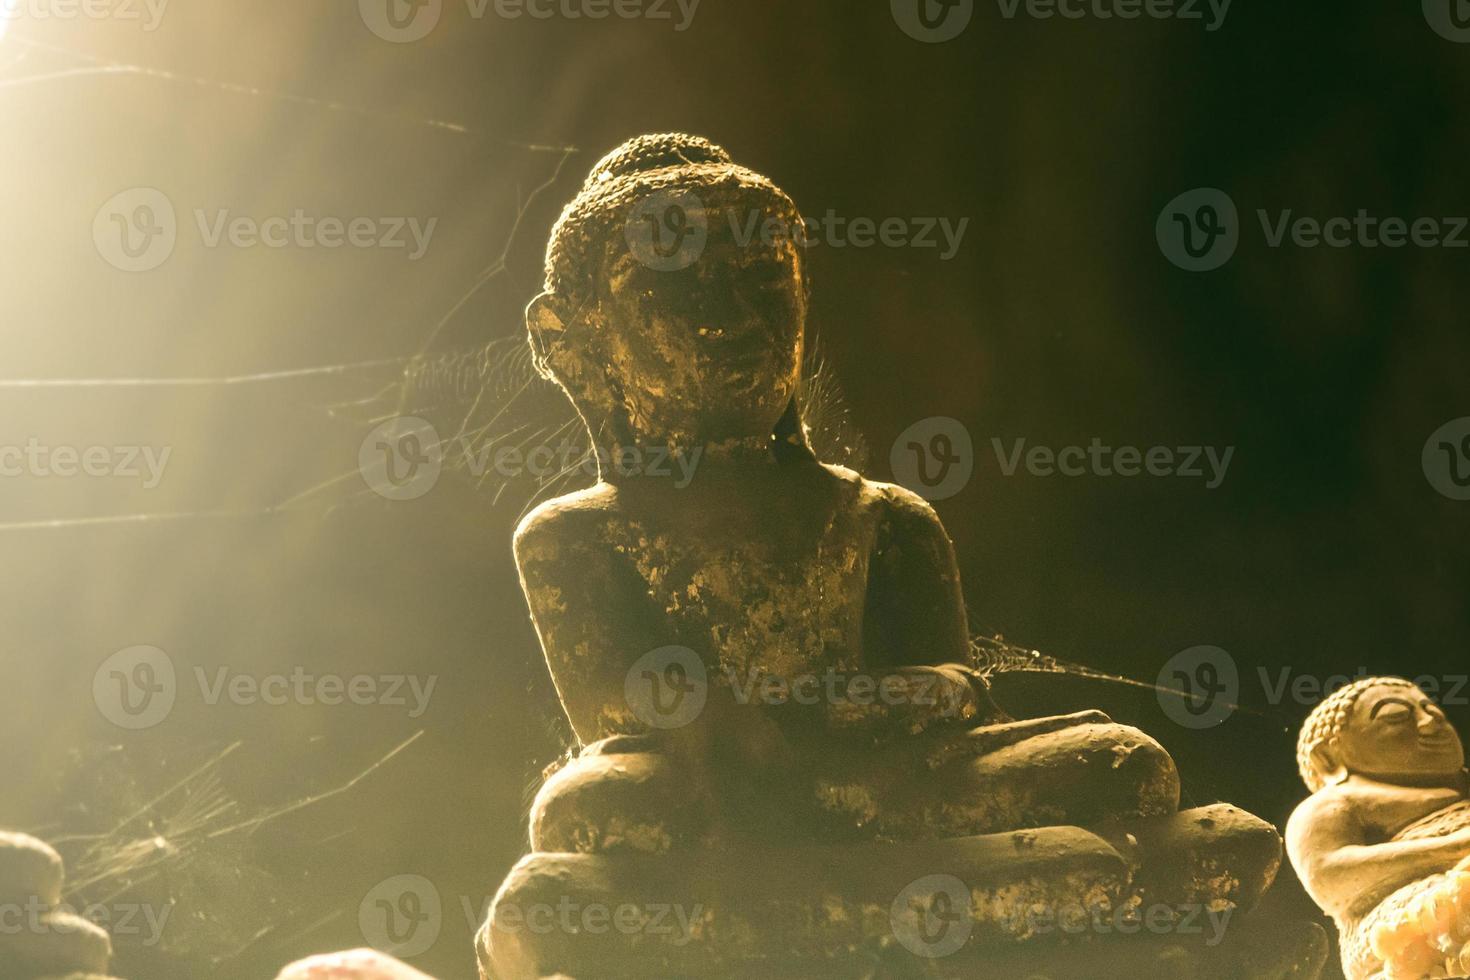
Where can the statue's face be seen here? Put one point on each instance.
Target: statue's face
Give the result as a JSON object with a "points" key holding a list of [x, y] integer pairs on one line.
{"points": [[715, 347], [1396, 732]]}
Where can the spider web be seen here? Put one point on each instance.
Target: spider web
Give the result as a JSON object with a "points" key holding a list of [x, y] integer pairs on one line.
{"points": [[485, 397], [479, 398], [185, 848]]}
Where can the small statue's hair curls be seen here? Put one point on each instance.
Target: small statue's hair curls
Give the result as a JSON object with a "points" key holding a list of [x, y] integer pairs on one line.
{"points": [[1328, 719], [644, 165]]}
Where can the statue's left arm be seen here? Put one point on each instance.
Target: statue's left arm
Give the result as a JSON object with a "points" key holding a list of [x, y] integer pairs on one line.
{"points": [[914, 623]]}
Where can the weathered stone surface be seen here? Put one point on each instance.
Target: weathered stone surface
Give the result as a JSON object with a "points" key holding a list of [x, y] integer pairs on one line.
{"points": [[637, 801], [1210, 856], [739, 906], [1078, 775]]}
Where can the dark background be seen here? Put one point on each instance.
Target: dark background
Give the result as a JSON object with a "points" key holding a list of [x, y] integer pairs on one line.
{"points": [[1326, 549]]}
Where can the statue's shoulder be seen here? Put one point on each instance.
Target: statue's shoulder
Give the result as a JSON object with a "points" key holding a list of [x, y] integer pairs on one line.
{"points": [[900, 511], [568, 526], [889, 498], [1330, 815]]}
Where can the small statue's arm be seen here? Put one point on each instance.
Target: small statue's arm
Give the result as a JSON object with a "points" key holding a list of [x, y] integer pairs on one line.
{"points": [[1344, 871]]}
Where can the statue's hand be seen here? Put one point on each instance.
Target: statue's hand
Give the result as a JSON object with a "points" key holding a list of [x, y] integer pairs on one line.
{"points": [[910, 701]]}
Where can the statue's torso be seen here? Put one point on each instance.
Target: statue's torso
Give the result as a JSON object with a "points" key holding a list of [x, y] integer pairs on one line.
{"points": [[759, 589]]}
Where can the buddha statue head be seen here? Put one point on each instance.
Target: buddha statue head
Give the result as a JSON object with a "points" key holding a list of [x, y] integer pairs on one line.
{"points": [[1382, 728], [671, 312]]}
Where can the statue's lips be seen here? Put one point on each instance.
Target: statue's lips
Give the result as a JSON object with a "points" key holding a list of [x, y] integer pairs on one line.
{"points": [[734, 345]]}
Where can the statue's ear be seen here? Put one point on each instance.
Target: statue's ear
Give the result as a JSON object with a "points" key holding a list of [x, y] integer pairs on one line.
{"points": [[1327, 761], [545, 327]]}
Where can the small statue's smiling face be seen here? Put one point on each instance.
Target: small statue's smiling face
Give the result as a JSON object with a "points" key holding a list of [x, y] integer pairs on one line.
{"points": [[1395, 732], [713, 349]]}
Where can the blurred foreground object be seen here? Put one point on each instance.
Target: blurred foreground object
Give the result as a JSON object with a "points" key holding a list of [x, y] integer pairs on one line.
{"points": [[40, 937], [356, 964]]}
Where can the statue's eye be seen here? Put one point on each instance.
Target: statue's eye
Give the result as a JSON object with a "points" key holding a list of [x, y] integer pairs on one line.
{"points": [[1395, 714]]}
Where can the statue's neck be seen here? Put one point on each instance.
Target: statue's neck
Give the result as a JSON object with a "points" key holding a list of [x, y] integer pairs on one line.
{"points": [[1444, 781], [683, 457]]}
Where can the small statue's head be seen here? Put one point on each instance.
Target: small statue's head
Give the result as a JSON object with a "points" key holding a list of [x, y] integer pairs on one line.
{"points": [[675, 300], [1384, 728]]}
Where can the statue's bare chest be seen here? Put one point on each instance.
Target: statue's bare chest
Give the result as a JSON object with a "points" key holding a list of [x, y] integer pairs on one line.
{"points": [[782, 599]]}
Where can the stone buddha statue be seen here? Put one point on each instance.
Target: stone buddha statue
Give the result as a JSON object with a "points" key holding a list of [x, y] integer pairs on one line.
{"points": [[786, 763], [1383, 842]]}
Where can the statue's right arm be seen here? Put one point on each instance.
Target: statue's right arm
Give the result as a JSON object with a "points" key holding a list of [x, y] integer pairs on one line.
{"points": [[590, 609], [1348, 874]]}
